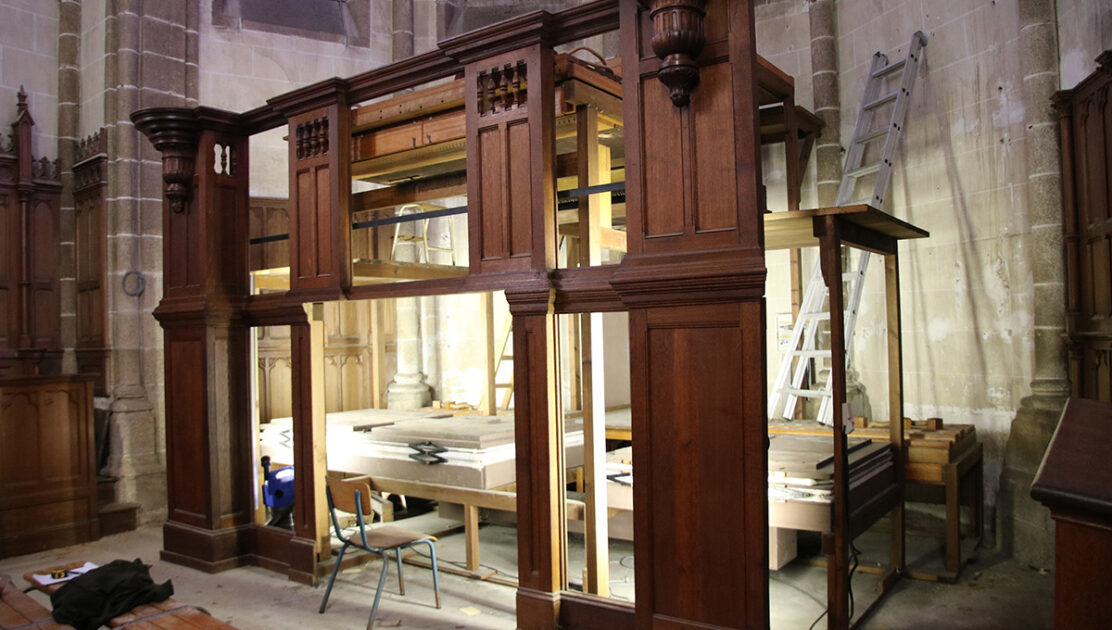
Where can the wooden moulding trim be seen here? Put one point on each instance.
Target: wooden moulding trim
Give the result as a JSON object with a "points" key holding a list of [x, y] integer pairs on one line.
{"points": [[210, 309], [533, 28], [303, 560], [583, 611], [274, 310], [401, 75], [671, 279], [537, 610], [666, 622], [530, 294], [210, 550], [306, 99], [169, 128], [584, 21], [523, 31], [586, 290]]}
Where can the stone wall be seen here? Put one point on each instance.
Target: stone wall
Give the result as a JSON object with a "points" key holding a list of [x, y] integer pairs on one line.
{"points": [[29, 57], [962, 173], [1085, 28]]}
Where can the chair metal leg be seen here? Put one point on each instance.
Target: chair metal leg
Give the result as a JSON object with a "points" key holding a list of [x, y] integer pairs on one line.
{"points": [[378, 591], [401, 580], [435, 573], [331, 580]]}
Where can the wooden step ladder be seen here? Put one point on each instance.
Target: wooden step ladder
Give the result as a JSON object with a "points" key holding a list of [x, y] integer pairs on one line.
{"points": [[871, 154]]}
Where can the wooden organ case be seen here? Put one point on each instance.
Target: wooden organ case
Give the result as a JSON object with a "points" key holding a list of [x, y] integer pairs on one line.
{"points": [[692, 282]]}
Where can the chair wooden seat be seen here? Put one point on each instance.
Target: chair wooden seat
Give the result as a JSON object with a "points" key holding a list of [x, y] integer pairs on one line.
{"points": [[389, 536]]}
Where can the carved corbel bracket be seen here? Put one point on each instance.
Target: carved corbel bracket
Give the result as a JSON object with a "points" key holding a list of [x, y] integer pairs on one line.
{"points": [[174, 132], [678, 40]]}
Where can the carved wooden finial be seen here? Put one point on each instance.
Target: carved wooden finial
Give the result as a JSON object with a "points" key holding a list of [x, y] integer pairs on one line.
{"points": [[678, 39]]}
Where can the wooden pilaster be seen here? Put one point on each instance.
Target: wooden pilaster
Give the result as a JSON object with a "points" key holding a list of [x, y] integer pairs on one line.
{"points": [[693, 282], [539, 436], [309, 544], [209, 481], [320, 188]]}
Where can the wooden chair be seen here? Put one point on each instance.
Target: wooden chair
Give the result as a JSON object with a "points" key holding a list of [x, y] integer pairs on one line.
{"points": [[354, 496]]}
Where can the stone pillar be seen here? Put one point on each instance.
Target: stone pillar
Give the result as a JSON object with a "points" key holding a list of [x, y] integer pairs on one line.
{"points": [[134, 455], [408, 390], [69, 99], [828, 104], [402, 32], [150, 61], [1024, 526]]}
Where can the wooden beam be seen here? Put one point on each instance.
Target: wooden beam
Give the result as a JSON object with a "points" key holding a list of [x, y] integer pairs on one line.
{"points": [[424, 101], [428, 189], [368, 271]]}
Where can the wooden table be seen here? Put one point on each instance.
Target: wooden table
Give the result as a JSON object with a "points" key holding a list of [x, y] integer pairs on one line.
{"points": [[949, 457], [169, 614]]}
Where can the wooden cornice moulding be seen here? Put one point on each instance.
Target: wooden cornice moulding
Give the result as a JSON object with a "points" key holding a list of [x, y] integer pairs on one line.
{"points": [[320, 94], [672, 279], [274, 310], [523, 31], [200, 311], [1104, 61], [678, 40], [174, 132], [586, 290], [219, 120], [1062, 103], [530, 293], [401, 75], [585, 20]]}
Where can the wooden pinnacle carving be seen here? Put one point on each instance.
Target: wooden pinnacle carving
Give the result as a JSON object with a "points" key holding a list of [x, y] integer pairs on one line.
{"points": [[678, 39]]}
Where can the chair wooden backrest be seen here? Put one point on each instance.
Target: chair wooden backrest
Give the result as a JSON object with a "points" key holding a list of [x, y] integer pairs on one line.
{"points": [[343, 495]]}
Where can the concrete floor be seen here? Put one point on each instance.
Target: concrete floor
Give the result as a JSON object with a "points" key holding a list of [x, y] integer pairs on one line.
{"points": [[992, 593]]}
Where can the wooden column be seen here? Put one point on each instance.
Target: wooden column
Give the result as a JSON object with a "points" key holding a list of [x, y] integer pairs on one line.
{"points": [[693, 282], [895, 399], [320, 188], [205, 209], [593, 164]]}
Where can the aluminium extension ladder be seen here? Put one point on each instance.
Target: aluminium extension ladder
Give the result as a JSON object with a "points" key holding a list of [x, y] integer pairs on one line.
{"points": [[861, 163]]}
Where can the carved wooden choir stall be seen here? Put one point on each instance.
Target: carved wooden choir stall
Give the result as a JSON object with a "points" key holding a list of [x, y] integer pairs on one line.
{"points": [[521, 120]]}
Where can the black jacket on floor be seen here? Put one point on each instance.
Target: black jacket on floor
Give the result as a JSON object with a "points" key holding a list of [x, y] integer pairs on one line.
{"points": [[88, 601]]}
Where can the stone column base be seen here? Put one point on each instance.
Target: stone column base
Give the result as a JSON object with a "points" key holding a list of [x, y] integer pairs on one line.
{"points": [[408, 395], [1024, 526]]}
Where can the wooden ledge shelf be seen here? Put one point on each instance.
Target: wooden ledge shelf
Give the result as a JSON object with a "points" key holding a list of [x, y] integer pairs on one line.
{"points": [[863, 226]]}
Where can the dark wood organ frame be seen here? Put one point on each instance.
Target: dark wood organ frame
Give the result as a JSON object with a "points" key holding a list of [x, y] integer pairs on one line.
{"points": [[692, 282]]}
